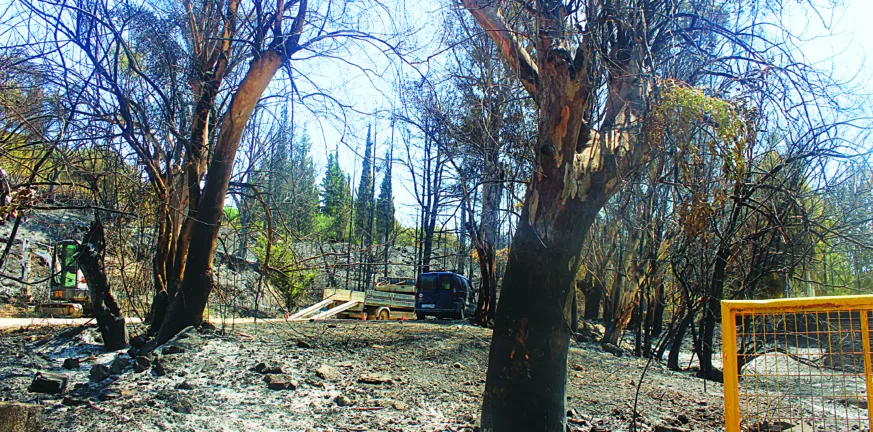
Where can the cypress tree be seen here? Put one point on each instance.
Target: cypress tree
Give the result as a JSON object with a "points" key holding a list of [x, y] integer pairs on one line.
{"points": [[364, 200]]}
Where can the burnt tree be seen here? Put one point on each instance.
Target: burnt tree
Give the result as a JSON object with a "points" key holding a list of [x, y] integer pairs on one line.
{"points": [[110, 320]]}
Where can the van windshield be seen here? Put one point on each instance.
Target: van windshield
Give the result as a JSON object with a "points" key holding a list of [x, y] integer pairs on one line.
{"points": [[427, 282]]}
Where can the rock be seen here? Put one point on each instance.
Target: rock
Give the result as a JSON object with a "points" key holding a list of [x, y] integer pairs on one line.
{"points": [[172, 349], [99, 373], [207, 326], [19, 417], [400, 405], [458, 366], [278, 382], [119, 365], [109, 394], [303, 344], [327, 372], [184, 385], [661, 428], [341, 400], [375, 378], [158, 368], [138, 341], [141, 364], [80, 386], [263, 368], [71, 363], [71, 401], [49, 383], [612, 349]]}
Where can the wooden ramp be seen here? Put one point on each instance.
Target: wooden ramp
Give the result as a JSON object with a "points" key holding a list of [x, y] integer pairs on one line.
{"points": [[341, 308], [310, 310]]}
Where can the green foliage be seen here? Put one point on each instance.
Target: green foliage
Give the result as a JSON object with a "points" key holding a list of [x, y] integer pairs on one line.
{"points": [[405, 236], [335, 201], [287, 175], [385, 205], [280, 272], [684, 112], [299, 204], [364, 200]]}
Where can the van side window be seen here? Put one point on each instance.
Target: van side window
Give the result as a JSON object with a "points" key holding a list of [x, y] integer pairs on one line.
{"points": [[446, 282]]}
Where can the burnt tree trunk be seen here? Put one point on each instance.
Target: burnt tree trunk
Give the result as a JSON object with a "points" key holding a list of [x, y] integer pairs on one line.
{"points": [[576, 172], [593, 290], [678, 338], [110, 321]]}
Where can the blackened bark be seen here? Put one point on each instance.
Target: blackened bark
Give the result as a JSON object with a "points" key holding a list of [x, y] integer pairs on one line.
{"points": [[676, 346], [110, 321], [526, 379], [593, 290]]}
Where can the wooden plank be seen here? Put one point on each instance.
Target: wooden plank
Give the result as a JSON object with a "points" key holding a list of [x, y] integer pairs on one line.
{"points": [[402, 289], [311, 309], [343, 307], [343, 295]]}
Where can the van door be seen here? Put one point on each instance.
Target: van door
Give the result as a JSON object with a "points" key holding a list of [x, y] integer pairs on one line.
{"points": [[446, 293], [427, 292]]}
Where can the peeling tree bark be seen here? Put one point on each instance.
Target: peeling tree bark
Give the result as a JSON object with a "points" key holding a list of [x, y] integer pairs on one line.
{"points": [[578, 170]]}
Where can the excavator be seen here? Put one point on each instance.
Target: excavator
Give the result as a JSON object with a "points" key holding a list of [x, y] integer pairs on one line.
{"points": [[68, 292]]}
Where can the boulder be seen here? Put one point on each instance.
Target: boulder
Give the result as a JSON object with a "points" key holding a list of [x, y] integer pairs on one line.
{"points": [[327, 372], [71, 363], [158, 368], [99, 373], [19, 417], [141, 364], [49, 383], [119, 365], [279, 382], [264, 368], [341, 400]]}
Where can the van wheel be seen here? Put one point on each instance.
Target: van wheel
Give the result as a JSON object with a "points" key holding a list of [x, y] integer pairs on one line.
{"points": [[419, 316], [462, 314], [384, 315]]}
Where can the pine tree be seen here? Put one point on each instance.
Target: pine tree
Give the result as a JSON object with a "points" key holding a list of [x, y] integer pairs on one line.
{"points": [[385, 204], [299, 202], [364, 200], [335, 195]]}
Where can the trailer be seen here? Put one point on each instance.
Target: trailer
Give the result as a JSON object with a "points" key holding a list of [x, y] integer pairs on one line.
{"points": [[365, 305]]}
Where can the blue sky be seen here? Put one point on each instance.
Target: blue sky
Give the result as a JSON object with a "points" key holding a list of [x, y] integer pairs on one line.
{"points": [[838, 39]]}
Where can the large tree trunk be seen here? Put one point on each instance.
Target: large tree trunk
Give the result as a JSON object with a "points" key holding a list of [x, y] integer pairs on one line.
{"points": [[577, 170], [592, 287], [187, 307], [526, 379], [525, 386], [110, 321]]}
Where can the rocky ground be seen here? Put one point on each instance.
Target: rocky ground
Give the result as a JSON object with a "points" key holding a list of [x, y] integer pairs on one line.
{"points": [[326, 376]]}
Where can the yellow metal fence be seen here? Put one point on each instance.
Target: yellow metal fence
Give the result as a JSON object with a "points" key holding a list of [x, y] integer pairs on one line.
{"points": [[797, 364]]}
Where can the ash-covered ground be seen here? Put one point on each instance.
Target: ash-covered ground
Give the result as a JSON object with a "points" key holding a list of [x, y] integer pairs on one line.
{"points": [[328, 376]]}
